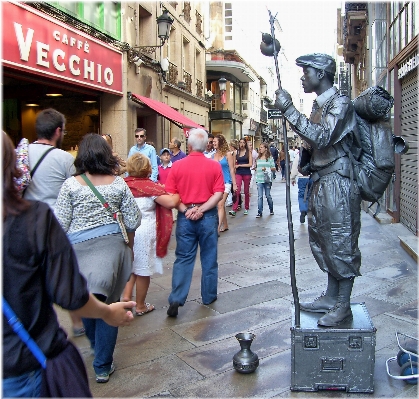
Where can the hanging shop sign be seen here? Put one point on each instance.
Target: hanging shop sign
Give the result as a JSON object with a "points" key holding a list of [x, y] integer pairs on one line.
{"points": [[408, 65], [37, 43]]}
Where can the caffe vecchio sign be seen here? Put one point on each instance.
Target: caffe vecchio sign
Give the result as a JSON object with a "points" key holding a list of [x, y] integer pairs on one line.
{"points": [[36, 43]]}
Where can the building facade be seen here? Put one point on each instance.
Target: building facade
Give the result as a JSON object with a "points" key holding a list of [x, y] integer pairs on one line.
{"points": [[94, 62], [380, 47]]}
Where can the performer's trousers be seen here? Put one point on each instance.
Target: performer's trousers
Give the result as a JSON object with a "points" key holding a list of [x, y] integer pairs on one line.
{"points": [[334, 223]]}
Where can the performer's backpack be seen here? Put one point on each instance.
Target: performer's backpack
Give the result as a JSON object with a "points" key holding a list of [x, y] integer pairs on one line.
{"points": [[374, 167]]}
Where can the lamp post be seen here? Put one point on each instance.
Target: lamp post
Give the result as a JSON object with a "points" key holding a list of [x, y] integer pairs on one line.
{"points": [[270, 47], [222, 84], [164, 24]]}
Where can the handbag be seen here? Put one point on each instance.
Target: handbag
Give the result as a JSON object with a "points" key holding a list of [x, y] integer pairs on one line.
{"points": [[267, 176], [117, 215], [65, 375]]}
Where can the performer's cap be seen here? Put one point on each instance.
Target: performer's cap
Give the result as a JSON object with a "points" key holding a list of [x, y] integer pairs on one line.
{"points": [[319, 61]]}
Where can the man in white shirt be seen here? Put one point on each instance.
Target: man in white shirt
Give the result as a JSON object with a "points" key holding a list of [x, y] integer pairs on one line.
{"points": [[291, 152], [57, 166], [210, 147], [52, 171]]}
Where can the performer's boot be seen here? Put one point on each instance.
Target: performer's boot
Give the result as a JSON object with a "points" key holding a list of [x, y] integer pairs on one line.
{"points": [[325, 301], [341, 312]]}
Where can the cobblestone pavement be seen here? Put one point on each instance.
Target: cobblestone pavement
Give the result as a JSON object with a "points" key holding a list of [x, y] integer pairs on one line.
{"points": [[191, 355]]}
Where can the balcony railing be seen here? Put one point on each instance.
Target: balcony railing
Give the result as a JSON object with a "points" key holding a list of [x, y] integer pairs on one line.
{"points": [[199, 88], [187, 78], [172, 75], [198, 24]]}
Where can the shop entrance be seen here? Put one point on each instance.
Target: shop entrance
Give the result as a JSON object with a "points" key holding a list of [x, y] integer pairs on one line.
{"points": [[24, 97]]}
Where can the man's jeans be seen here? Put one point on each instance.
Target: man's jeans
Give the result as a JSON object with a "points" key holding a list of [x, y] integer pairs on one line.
{"points": [[27, 385], [304, 184], [102, 339], [282, 163], [188, 234], [267, 188]]}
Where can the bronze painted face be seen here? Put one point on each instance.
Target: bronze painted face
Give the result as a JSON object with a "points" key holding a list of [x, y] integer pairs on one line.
{"points": [[311, 79]]}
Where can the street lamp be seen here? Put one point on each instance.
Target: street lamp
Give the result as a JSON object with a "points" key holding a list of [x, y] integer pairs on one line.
{"points": [[222, 86], [164, 24]]}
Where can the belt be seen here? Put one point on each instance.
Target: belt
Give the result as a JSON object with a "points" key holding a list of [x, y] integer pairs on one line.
{"points": [[193, 205], [339, 166]]}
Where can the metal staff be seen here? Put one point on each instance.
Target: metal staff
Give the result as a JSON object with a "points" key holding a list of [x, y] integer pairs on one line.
{"points": [[270, 47]]}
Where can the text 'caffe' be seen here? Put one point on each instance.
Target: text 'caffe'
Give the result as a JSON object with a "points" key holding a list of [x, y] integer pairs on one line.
{"points": [[49, 64]]}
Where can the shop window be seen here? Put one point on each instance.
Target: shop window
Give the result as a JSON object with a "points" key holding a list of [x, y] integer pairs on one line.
{"points": [[104, 16], [415, 18], [403, 28], [112, 20], [237, 98]]}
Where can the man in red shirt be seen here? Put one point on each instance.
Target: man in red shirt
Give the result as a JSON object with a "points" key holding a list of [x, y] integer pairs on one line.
{"points": [[199, 182]]}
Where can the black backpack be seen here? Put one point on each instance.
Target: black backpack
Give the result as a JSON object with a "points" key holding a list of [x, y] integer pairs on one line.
{"points": [[374, 167]]}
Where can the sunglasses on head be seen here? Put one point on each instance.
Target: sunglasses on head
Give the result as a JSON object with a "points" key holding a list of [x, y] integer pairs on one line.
{"points": [[139, 135]]}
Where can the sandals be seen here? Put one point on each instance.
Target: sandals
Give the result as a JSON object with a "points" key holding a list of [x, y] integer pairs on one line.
{"points": [[149, 307]]}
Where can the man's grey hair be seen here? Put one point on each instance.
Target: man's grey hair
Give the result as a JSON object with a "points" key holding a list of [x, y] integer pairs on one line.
{"points": [[177, 143], [198, 139]]}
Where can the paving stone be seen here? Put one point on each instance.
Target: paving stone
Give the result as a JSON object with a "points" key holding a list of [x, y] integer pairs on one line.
{"points": [[229, 324], [191, 355], [270, 378], [146, 379], [217, 357]]}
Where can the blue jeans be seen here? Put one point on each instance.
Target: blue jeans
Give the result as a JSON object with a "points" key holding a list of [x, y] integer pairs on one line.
{"points": [[27, 385], [188, 234], [267, 188], [102, 339], [303, 182], [282, 163]]}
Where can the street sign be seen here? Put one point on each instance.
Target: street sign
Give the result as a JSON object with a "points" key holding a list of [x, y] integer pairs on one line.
{"points": [[274, 114]]}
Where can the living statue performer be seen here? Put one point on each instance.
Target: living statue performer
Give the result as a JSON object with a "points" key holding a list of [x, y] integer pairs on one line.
{"points": [[334, 210]]}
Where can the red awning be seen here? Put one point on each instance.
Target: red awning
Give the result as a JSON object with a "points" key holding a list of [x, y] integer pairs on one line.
{"points": [[166, 111]]}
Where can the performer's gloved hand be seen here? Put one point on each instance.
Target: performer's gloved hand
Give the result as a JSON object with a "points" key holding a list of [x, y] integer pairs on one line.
{"points": [[283, 100]]}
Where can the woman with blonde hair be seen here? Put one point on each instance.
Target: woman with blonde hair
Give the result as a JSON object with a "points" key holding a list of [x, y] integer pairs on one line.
{"points": [[227, 162], [152, 237]]}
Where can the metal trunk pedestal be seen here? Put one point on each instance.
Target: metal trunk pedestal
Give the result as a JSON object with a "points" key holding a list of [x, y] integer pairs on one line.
{"points": [[338, 358]]}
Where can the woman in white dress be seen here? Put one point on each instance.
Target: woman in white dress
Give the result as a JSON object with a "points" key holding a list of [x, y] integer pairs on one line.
{"points": [[152, 237]]}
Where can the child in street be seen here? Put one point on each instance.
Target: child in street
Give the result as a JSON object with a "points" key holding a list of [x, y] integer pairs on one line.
{"points": [[165, 166]]}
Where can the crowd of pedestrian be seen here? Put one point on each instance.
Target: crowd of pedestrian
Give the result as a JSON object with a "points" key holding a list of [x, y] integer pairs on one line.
{"points": [[79, 235], [110, 221]]}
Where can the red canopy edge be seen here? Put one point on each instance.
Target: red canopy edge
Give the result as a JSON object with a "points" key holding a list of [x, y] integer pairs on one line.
{"points": [[167, 112]]}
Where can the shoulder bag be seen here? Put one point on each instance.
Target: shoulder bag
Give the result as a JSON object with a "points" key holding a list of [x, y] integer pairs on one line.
{"points": [[62, 376], [117, 215]]}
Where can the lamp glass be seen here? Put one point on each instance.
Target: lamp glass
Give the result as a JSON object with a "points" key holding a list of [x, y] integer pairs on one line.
{"points": [[164, 23], [164, 64], [222, 83]]}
